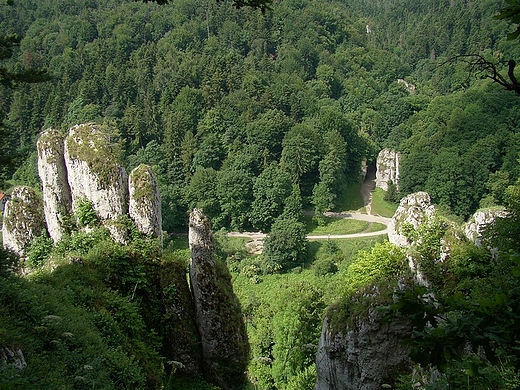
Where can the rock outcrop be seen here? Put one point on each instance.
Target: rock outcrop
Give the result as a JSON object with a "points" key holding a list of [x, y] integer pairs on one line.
{"points": [[387, 168], [364, 355], [224, 342], [145, 201], [12, 356], [57, 200], [412, 211], [23, 219], [479, 221], [94, 172], [181, 336]]}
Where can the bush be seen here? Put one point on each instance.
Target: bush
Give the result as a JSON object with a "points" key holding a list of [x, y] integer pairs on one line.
{"points": [[39, 250], [325, 266], [87, 216]]}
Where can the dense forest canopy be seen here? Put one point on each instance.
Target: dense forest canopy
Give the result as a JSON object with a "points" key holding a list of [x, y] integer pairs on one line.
{"points": [[208, 92]]}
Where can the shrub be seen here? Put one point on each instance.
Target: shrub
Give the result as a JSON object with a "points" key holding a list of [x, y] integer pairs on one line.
{"points": [[87, 216], [38, 250]]}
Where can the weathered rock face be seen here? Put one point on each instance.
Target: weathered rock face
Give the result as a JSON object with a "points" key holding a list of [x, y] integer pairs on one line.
{"points": [[412, 211], [94, 172], [57, 201], [23, 219], [145, 201], [182, 340], [224, 342], [364, 356], [12, 356], [479, 221], [387, 167]]}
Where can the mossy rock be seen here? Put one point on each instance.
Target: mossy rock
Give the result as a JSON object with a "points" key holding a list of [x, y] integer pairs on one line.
{"points": [[91, 143]]}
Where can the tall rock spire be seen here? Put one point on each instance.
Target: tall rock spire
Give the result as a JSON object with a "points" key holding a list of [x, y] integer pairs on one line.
{"points": [[225, 347]]}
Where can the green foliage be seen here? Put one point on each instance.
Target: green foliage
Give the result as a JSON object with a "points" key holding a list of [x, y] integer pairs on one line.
{"points": [[270, 190], [27, 173], [384, 261], [38, 250], [466, 324], [511, 12], [69, 345], [392, 195], [295, 332], [286, 243], [85, 213]]}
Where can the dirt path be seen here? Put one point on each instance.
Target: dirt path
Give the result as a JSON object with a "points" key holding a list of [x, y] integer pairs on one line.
{"points": [[254, 236], [366, 192], [367, 187]]}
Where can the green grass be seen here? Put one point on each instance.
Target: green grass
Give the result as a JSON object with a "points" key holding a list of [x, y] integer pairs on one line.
{"points": [[350, 198], [380, 206], [335, 226], [340, 226], [375, 227]]}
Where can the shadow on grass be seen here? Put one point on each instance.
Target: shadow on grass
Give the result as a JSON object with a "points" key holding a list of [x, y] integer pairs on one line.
{"points": [[350, 198]]}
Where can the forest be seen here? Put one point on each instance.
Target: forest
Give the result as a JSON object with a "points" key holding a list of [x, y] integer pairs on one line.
{"points": [[262, 118]]}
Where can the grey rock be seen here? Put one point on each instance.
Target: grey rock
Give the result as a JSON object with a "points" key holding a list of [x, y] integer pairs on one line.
{"points": [[23, 219], [94, 172], [362, 356], [413, 210], [145, 201], [387, 168], [57, 201], [225, 347], [477, 224]]}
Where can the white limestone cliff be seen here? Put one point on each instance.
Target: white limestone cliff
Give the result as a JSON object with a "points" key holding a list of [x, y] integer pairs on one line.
{"points": [[145, 201], [387, 168], [57, 201], [23, 219], [478, 223], [94, 172], [364, 355], [413, 210]]}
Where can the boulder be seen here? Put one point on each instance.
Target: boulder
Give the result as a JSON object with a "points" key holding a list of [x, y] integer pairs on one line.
{"points": [[225, 347], [23, 219], [387, 168], [57, 201], [145, 201]]}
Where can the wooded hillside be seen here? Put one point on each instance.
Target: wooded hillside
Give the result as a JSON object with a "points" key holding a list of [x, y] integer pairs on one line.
{"points": [[213, 96]]}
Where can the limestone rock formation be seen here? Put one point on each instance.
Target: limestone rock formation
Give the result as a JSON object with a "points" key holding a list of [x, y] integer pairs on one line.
{"points": [[364, 355], [387, 168], [94, 172], [181, 341], [412, 211], [145, 201], [479, 221], [23, 219], [224, 342], [57, 201]]}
